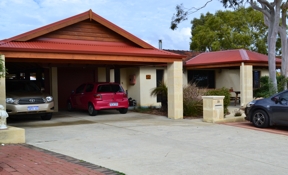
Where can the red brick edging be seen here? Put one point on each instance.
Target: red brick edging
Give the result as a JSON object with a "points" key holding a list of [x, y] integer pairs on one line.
{"points": [[19, 159]]}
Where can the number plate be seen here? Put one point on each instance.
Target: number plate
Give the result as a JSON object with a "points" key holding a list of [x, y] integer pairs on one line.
{"points": [[33, 108], [113, 104]]}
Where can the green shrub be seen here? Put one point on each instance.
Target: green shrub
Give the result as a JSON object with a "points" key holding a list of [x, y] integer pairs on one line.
{"points": [[162, 91], [193, 108], [266, 86], [221, 92], [192, 101], [3, 71]]}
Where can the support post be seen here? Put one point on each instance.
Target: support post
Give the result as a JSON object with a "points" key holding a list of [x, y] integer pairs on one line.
{"points": [[54, 87], [175, 90], [246, 83], [2, 85]]}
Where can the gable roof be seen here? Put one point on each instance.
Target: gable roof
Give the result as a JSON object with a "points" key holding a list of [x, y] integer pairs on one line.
{"points": [[75, 19], [228, 57], [35, 41]]}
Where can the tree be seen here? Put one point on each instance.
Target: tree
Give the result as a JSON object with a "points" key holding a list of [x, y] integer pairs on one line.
{"points": [[243, 28], [271, 12], [284, 42], [2, 69]]}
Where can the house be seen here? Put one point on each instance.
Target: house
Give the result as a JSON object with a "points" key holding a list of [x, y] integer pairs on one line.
{"points": [[238, 69], [88, 48]]}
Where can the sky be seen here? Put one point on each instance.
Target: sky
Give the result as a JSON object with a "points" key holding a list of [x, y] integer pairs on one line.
{"points": [[149, 20]]}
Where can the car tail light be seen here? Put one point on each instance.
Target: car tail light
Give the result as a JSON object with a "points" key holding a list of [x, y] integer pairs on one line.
{"points": [[98, 96], [124, 95]]}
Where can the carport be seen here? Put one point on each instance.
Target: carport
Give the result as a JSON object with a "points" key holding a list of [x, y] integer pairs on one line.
{"points": [[86, 48]]}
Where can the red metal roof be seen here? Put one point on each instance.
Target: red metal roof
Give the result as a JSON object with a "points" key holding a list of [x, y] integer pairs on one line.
{"points": [[27, 41], [228, 56], [80, 46], [187, 53]]}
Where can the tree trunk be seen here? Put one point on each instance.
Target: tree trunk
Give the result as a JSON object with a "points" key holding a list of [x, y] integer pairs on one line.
{"points": [[272, 33], [271, 13], [284, 48], [284, 43]]}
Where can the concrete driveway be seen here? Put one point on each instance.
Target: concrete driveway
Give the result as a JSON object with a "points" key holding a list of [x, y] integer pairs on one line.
{"points": [[144, 144]]}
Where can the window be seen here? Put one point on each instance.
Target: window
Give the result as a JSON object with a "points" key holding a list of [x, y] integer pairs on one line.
{"points": [[202, 78], [109, 88], [89, 88], [256, 79], [159, 79], [80, 89]]}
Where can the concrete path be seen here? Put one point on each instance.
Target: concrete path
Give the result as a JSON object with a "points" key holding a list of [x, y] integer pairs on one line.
{"points": [[145, 144]]}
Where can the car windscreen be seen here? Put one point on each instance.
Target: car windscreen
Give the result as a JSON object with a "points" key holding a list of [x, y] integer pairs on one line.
{"points": [[21, 86], [109, 88]]}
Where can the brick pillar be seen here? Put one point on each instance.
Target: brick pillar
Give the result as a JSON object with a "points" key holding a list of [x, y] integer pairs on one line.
{"points": [[246, 83], [175, 90], [2, 86]]}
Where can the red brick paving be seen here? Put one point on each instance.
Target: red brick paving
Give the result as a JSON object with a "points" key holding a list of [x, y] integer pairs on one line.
{"points": [[23, 159], [283, 130]]}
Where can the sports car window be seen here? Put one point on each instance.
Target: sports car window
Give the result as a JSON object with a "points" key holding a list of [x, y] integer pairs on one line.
{"points": [[80, 89], [89, 88]]}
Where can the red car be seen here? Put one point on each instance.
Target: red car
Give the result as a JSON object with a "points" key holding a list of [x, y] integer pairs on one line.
{"points": [[98, 96]]}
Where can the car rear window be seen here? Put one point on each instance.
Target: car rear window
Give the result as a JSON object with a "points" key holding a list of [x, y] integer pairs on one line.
{"points": [[109, 88]]}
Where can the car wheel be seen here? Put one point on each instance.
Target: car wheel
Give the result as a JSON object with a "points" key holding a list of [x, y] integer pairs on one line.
{"points": [[260, 119], [47, 116], [123, 110], [91, 110], [69, 106]]}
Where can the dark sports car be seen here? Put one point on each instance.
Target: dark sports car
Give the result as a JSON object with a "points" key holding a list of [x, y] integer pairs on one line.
{"points": [[268, 111]]}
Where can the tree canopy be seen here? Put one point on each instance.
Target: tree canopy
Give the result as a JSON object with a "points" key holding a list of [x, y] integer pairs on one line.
{"points": [[272, 11], [243, 28]]}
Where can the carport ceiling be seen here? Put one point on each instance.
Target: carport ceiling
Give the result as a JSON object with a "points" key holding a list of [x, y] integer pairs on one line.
{"points": [[24, 66]]}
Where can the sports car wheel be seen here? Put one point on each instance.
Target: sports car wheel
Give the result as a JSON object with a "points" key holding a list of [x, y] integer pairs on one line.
{"points": [[91, 110], [123, 110], [260, 119]]}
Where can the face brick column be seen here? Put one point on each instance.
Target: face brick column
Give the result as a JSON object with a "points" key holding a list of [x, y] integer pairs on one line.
{"points": [[246, 84], [2, 86], [175, 90]]}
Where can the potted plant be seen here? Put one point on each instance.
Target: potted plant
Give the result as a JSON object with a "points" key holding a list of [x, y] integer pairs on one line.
{"points": [[161, 91]]}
